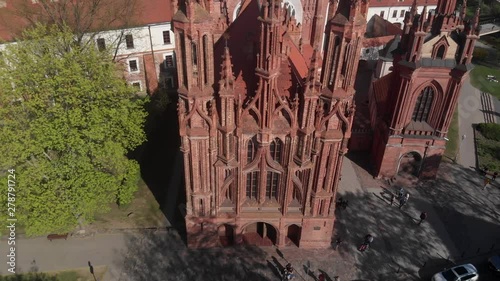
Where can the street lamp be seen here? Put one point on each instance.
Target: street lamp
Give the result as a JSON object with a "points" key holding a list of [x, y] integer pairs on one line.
{"points": [[459, 147]]}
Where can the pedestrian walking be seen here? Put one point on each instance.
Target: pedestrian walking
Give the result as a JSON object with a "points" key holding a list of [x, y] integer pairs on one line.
{"points": [[486, 182], [338, 242], [404, 200], [366, 243], [494, 177], [423, 216], [401, 193], [392, 198]]}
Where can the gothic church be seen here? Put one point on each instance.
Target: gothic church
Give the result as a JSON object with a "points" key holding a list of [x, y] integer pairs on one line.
{"points": [[266, 109]]}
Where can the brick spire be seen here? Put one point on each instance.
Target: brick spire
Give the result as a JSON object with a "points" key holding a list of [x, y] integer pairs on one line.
{"points": [[227, 76]]}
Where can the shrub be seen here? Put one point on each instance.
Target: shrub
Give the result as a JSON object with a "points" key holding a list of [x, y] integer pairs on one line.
{"points": [[490, 130]]}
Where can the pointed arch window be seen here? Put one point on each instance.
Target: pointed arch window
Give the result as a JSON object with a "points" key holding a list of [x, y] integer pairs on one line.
{"points": [[251, 149], [205, 59], [252, 185], [194, 54], [272, 182], [440, 54], [230, 195], [423, 105], [276, 149]]}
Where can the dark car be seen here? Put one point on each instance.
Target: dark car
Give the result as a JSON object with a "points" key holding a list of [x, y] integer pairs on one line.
{"points": [[494, 263]]}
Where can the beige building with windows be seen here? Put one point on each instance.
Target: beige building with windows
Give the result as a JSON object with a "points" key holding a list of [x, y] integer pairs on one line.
{"points": [[139, 37]]}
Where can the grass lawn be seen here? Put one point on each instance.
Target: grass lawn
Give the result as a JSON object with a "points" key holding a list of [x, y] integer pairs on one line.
{"points": [[453, 136], [478, 79], [80, 274], [488, 152], [142, 212]]}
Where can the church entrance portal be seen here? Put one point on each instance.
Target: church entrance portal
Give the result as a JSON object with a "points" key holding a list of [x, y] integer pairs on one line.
{"points": [[260, 234], [410, 164]]}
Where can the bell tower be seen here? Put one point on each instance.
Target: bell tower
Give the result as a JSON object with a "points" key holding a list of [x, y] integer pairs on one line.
{"points": [[430, 64], [193, 28]]}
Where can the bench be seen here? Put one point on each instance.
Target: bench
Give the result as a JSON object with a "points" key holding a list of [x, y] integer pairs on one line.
{"points": [[57, 236]]}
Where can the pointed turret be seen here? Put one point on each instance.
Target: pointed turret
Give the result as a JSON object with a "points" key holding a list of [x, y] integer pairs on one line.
{"points": [[312, 80], [227, 77], [422, 20]]}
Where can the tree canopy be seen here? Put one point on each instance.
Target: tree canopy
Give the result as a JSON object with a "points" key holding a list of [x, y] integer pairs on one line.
{"points": [[67, 121]]}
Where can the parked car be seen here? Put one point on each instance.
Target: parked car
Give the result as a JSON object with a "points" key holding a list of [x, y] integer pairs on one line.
{"points": [[465, 272], [494, 263]]}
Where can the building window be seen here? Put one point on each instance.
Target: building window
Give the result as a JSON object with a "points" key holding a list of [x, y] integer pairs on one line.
{"points": [[133, 66], [423, 105], [101, 44], [129, 41], [275, 149], [194, 54], [440, 52], [395, 13], [402, 13], [166, 37], [169, 83], [272, 182], [137, 85], [252, 185], [382, 14], [169, 61], [251, 149]]}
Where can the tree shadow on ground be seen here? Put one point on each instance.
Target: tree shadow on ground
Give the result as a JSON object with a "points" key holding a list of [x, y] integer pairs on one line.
{"points": [[462, 219], [163, 256], [160, 159]]}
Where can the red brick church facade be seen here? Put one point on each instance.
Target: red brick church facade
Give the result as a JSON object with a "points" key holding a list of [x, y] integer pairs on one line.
{"points": [[266, 109]]}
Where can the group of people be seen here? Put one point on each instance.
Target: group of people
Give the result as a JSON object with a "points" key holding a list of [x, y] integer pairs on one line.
{"points": [[402, 197]]}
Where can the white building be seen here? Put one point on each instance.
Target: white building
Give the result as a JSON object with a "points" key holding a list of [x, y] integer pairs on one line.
{"points": [[394, 10], [145, 48]]}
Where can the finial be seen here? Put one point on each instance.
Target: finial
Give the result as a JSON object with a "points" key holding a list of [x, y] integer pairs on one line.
{"points": [[226, 37]]}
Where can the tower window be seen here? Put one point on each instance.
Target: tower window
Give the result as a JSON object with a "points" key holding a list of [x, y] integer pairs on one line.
{"points": [[423, 105], [440, 52], [395, 13], [402, 13], [382, 14], [129, 41], [272, 182], [276, 149], [252, 185]]}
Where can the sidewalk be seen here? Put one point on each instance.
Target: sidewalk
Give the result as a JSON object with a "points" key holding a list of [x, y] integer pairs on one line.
{"points": [[43, 255]]}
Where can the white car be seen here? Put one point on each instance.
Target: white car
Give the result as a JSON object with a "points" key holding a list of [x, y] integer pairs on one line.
{"points": [[465, 272]]}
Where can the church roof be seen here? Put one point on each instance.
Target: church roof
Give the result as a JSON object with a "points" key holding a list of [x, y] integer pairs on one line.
{"points": [[339, 19], [386, 53], [244, 44]]}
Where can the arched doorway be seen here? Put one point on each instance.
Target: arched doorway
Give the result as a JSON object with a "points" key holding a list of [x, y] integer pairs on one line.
{"points": [[260, 234], [410, 163], [226, 235], [293, 235]]}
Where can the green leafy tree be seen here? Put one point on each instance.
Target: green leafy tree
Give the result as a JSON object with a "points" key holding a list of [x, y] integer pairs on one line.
{"points": [[67, 121]]}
